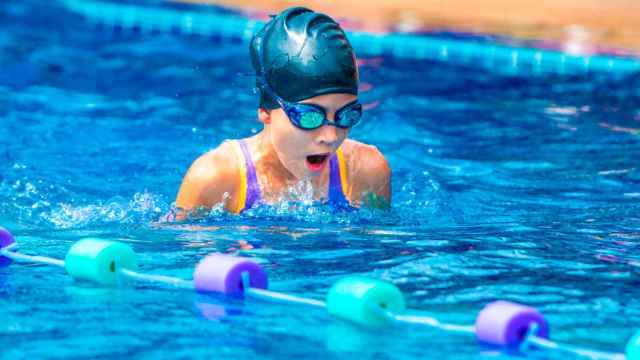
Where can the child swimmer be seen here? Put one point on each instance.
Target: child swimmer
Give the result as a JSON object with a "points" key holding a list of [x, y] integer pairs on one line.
{"points": [[308, 82]]}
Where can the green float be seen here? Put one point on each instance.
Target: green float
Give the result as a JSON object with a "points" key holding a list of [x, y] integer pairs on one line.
{"points": [[633, 347], [364, 301], [99, 260]]}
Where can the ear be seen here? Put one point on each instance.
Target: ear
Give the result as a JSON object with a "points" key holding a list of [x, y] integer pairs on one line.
{"points": [[264, 116]]}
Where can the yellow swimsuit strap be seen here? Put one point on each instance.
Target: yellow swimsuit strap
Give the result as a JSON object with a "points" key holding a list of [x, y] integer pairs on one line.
{"points": [[242, 196], [342, 166]]}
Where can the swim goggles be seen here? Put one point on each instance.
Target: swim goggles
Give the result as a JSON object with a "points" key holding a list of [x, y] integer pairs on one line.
{"points": [[311, 116]]}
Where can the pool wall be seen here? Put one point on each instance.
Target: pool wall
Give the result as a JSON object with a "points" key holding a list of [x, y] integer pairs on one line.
{"points": [[487, 55]]}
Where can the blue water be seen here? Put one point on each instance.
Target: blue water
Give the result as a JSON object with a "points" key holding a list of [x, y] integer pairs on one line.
{"points": [[516, 188]]}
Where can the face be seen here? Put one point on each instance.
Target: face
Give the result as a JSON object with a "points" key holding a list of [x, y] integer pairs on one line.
{"points": [[305, 153]]}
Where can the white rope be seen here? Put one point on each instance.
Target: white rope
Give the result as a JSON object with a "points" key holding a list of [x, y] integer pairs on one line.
{"points": [[425, 320], [272, 295], [7, 252], [169, 280]]}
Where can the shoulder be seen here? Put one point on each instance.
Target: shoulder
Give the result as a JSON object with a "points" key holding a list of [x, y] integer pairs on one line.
{"points": [[365, 161], [214, 163], [211, 179], [368, 172]]}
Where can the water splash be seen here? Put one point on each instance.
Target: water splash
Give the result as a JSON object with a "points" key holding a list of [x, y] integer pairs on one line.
{"points": [[298, 205], [142, 208]]}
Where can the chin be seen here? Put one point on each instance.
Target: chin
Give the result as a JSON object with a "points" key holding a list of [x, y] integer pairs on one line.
{"points": [[298, 172], [311, 174]]}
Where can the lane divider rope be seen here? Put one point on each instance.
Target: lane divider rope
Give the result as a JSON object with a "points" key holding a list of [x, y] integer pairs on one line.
{"points": [[500, 58], [364, 301]]}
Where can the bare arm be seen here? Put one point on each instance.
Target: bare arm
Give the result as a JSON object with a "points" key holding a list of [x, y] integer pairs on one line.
{"points": [[371, 178], [211, 180]]}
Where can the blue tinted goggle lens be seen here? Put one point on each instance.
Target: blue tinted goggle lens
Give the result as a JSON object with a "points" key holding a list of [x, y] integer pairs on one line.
{"points": [[309, 117], [349, 115]]}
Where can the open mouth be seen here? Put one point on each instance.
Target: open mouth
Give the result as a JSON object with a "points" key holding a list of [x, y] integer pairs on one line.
{"points": [[316, 162]]}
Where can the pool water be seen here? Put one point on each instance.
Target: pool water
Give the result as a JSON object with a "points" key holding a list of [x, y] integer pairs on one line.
{"points": [[504, 187]]}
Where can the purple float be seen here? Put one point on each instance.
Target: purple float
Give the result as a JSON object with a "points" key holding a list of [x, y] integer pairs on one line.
{"points": [[6, 239], [223, 274], [507, 324]]}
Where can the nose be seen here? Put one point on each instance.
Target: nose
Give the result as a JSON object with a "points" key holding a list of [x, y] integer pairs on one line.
{"points": [[327, 135]]}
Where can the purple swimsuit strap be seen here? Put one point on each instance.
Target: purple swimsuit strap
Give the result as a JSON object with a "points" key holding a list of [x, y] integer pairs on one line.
{"points": [[253, 188], [336, 195]]}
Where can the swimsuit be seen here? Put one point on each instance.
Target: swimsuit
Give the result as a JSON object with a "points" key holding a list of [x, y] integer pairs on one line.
{"points": [[250, 189]]}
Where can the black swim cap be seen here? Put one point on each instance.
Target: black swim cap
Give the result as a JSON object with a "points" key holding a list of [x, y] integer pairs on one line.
{"points": [[301, 54]]}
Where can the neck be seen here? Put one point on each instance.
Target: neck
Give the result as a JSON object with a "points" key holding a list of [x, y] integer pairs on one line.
{"points": [[267, 158], [270, 166]]}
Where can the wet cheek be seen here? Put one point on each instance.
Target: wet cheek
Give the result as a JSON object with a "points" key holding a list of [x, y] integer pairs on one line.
{"points": [[290, 143], [342, 134], [289, 139]]}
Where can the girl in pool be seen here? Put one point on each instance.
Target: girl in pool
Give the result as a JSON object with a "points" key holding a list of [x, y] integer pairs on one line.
{"points": [[308, 82]]}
